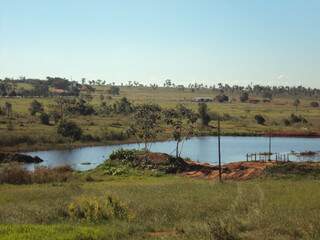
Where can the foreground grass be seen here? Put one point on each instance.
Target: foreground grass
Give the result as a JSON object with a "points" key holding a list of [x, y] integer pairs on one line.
{"points": [[165, 207]]}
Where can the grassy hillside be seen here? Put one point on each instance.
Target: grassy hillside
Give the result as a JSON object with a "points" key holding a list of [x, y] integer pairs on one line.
{"points": [[27, 132]]}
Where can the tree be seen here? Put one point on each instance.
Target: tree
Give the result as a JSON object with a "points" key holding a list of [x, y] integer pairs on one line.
{"points": [[146, 123], [260, 119], [182, 121], [124, 106], [296, 103], [244, 97], [35, 107], [203, 114], [114, 90], [8, 109], [44, 118], [69, 129], [314, 104]]}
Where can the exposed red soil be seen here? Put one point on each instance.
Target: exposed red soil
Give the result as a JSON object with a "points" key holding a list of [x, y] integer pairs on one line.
{"points": [[230, 171]]}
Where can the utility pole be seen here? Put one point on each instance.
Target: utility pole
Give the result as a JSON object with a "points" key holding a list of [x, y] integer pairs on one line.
{"points": [[269, 146], [219, 149]]}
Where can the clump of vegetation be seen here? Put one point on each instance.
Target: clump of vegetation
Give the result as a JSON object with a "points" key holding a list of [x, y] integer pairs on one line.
{"points": [[124, 155], [314, 104], [15, 173], [146, 123], [221, 98], [182, 120], [69, 129], [294, 169], [124, 106], [80, 107], [35, 107], [260, 119], [293, 119], [203, 114], [296, 103], [94, 209], [44, 118], [244, 97]]}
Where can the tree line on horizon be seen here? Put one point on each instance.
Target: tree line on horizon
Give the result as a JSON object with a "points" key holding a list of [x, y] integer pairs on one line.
{"points": [[8, 87]]}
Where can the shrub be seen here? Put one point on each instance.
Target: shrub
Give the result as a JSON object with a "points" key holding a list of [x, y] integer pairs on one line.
{"points": [[286, 122], [244, 97], [260, 119], [114, 135], [297, 119], [124, 155], [69, 129], [222, 98], [314, 104], [15, 173], [203, 114], [44, 118], [95, 209], [56, 116], [35, 107]]}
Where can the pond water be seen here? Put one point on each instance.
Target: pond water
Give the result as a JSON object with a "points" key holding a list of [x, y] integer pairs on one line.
{"points": [[202, 149]]}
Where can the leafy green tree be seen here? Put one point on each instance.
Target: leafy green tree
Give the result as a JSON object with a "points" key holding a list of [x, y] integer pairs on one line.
{"points": [[69, 129], [35, 107], [124, 106], [182, 120], [8, 109], [114, 90], [244, 97], [296, 103], [44, 118], [203, 114], [260, 119], [146, 123]]}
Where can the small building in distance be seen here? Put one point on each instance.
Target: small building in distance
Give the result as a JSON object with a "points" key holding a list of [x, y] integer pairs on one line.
{"points": [[202, 99]]}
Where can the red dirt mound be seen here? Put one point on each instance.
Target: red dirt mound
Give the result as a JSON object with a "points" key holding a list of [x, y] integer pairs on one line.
{"points": [[230, 171]]}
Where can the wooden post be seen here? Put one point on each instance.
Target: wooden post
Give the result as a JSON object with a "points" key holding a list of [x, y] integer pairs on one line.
{"points": [[219, 150], [269, 146]]}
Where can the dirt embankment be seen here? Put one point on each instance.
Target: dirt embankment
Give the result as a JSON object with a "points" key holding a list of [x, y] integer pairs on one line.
{"points": [[230, 171]]}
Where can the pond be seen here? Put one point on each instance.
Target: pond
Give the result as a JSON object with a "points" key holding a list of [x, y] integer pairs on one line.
{"points": [[202, 149]]}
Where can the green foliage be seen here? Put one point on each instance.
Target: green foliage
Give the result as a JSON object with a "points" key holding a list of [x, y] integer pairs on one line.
{"points": [[124, 155], [115, 169], [35, 107], [69, 129], [15, 173], [114, 90], [44, 118], [124, 106], [146, 123], [93, 209], [182, 121], [294, 169], [260, 119], [244, 96], [203, 114], [79, 106], [314, 104]]}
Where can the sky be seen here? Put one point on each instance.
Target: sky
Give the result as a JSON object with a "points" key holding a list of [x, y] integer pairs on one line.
{"points": [[268, 42]]}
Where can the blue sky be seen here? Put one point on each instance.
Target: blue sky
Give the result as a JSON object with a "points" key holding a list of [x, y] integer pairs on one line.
{"points": [[274, 42]]}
